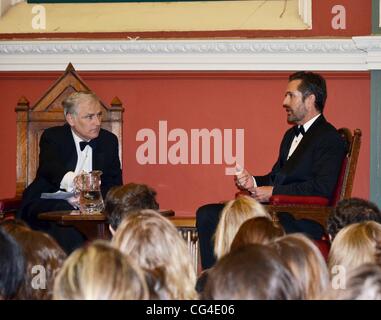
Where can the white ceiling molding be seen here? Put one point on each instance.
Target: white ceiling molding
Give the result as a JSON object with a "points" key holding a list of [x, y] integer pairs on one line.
{"points": [[372, 47], [352, 54]]}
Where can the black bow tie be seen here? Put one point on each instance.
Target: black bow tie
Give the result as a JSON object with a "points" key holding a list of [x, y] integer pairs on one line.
{"points": [[299, 129], [91, 143]]}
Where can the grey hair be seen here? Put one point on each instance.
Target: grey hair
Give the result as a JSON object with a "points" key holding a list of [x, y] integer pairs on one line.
{"points": [[71, 103]]}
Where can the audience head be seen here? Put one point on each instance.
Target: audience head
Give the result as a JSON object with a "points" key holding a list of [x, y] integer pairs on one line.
{"points": [[311, 83], [122, 200], [306, 263], [356, 244], [44, 258], [259, 230], [83, 112], [157, 284], [350, 211], [252, 272], [100, 272], [364, 283], [12, 265], [154, 242], [14, 225], [233, 215]]}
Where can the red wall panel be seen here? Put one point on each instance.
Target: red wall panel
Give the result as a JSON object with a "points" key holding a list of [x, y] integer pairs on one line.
{"points": [[195, 100]]}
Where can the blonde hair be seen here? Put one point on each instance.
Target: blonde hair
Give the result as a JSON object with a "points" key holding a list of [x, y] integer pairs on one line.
{"points": [[154, 242], [355, 245], [233, 215], [306, 263], [100, 272]]}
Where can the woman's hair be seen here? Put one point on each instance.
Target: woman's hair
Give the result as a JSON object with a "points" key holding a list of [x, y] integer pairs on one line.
{"points": [[363, 283], [259, 230], [355, 245], [44, 258], [306, 263], [13, 225], [233, 215], [100, 272], [252, 272], [154, 242], [12, 265]]}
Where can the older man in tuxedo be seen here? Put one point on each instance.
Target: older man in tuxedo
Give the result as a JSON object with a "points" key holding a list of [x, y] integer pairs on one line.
{"points": [[81, 145], [309, 160]]}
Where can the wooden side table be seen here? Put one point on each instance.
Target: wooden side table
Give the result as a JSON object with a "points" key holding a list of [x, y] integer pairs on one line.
{"points": [[92, 226]]}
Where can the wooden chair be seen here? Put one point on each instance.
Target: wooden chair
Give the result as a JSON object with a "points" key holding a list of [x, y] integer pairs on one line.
{"points": [[48, 112], [318, 208]]}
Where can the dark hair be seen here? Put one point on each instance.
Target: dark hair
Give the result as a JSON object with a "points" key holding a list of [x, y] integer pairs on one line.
{"points": [[311, 83], [349, 211], [121, 200], [11, 225], [252, 272], [43, 258], [12, 265]]}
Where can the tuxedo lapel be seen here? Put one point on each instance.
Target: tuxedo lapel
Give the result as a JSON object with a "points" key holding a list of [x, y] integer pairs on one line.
{"points": [[70, 148], [98, 156], [286, 145], [309, 136]]}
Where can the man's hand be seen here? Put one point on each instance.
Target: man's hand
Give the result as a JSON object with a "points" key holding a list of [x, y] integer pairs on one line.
{"points": [[244, 180], [262, 194]]}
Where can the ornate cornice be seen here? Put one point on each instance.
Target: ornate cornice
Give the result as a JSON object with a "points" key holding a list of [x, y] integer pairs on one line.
{"points": [[368, 44], [177, 47], [135, 54]]}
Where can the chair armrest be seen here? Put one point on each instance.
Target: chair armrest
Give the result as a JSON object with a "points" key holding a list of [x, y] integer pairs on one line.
{"points": [[281, 199], [9, 204]]}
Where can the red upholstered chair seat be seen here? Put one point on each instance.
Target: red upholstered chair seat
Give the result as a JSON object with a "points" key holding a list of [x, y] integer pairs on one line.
{"points": [[297, 200]]}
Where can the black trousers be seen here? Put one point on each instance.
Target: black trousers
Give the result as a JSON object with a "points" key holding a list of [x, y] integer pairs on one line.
{"points": [[67, 237], [208, 216]]}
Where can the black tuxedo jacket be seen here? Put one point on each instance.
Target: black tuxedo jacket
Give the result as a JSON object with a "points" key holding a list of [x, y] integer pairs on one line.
{"points": [[313, 168], [58, 155]]}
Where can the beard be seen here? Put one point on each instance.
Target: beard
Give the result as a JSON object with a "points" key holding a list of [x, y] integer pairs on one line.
{"points": [[296, 115]]}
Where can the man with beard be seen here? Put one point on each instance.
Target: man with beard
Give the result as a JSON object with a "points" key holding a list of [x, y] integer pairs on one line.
{"points": [[309, 161]]}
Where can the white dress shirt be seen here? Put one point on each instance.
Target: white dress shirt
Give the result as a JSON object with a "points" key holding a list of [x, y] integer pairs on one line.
{"points": [[84, 163]]}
